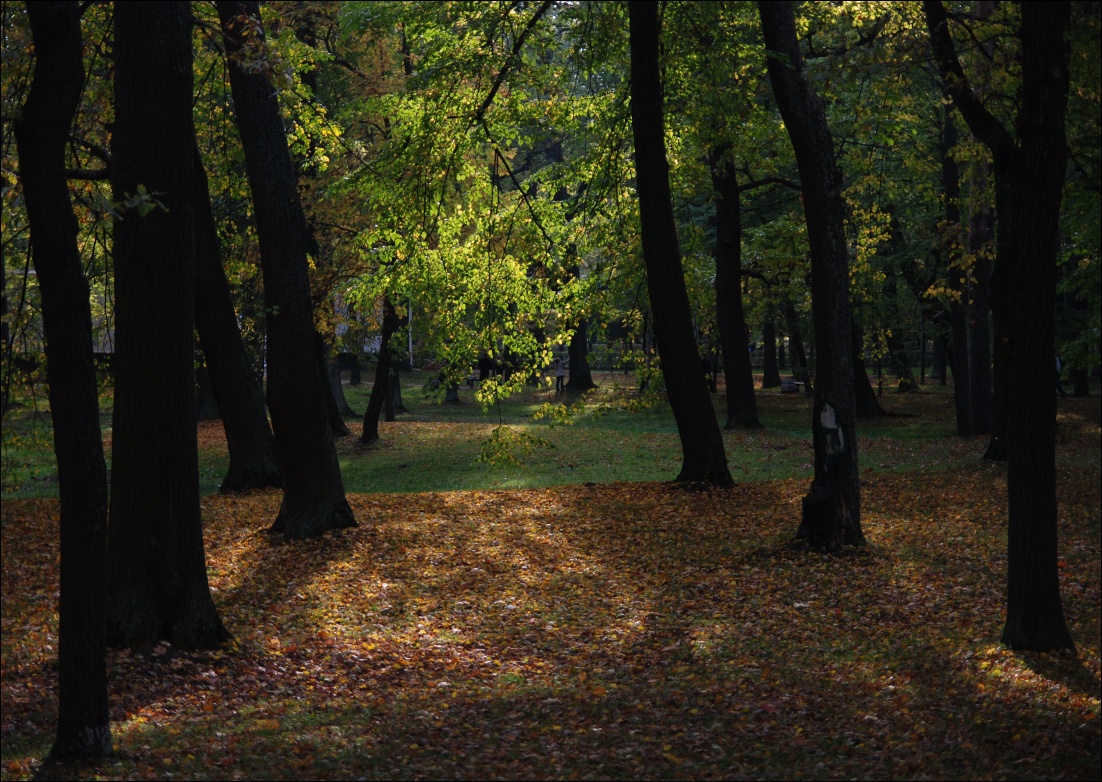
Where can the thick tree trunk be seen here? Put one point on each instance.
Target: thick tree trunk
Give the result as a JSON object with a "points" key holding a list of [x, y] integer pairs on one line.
{"points": [[1034, 615], [380, 392], [742, 406], [771, 373], [157, 568], [1029, 176], [313, 493], [240, 401], [83, 725], [703, 457], [834, 417]]}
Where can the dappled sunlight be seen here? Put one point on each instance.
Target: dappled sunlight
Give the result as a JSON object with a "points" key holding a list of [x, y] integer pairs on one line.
{"points": [[625, 629]]}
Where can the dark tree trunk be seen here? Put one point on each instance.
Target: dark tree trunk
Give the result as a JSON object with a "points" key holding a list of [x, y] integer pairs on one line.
{"points": [[938, 364], [865, 402], [771, 373], [1034, 616], [313, 492], [206, 406], [978, 316], [380, 392], [83, 724], [1080, 382], [1029, 177], [797, 353], [239, 399], [580, 378], [742, 406], [901, 364], [332, 392], [157, 574], [950, 183], [394, 403], [834, 417], [703, 457]]}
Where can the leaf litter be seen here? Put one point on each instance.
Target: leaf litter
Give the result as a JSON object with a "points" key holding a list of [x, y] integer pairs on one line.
{"points": [[604, 631]]}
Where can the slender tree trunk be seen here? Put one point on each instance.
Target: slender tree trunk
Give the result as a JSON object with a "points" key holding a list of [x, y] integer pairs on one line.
{"points": [[832, 509], [240, 401], [742, 406], [950, 183], [313, 492], [703, 457], [336, 406], [380, 392], [157, 567], [981, 232], [771, 373], [83, 724], [865, 402]]}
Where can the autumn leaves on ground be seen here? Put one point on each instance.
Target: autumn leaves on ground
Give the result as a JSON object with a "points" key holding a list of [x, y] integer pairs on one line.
{"points": [[598, 631]]}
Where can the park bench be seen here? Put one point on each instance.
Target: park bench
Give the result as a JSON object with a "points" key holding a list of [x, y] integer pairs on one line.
{"points": [[791, 386]]}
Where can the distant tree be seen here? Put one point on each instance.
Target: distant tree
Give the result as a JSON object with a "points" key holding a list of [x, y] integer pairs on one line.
{"points": [[313, 492], [157, 581], [1029, 171], [381, 392], [835, 492], [703, 456], [41, 133]]}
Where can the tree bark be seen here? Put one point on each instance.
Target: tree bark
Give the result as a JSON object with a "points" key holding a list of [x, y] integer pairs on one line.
{"points": [[703, 456], [580, 377], [742, 406], [83, 724], [240, 402], [865, 402], [771, 373], [381, 392], [834, 416], [1029, 177], [313, 492], [157, 576]]}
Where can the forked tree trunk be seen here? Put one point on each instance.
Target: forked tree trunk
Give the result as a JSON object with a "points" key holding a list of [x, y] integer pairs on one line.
{"points": [[313, 492], [83, 724], [157, 567], [835, 496], [703, 456]]}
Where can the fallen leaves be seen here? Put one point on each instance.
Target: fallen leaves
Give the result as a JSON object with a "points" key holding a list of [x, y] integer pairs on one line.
{"points": [[622, 630]]}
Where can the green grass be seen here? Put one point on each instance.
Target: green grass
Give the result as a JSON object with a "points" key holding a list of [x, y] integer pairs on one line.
{"points": [[436, 446]]}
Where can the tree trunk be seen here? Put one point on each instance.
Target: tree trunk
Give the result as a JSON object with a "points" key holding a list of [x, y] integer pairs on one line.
{"points": [[937, 362], [1034, 616], [742, 406], [240, 401], [797, 353], [313, 492], [865, 402], [83, 724], [703, 457], [580, 377], [380, 392], [157, 568], [834, 417], [1029, 177], [771, 373]]}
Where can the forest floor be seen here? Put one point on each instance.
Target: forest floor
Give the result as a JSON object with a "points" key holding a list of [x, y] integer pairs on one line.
{"points": [[603, 630]]}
